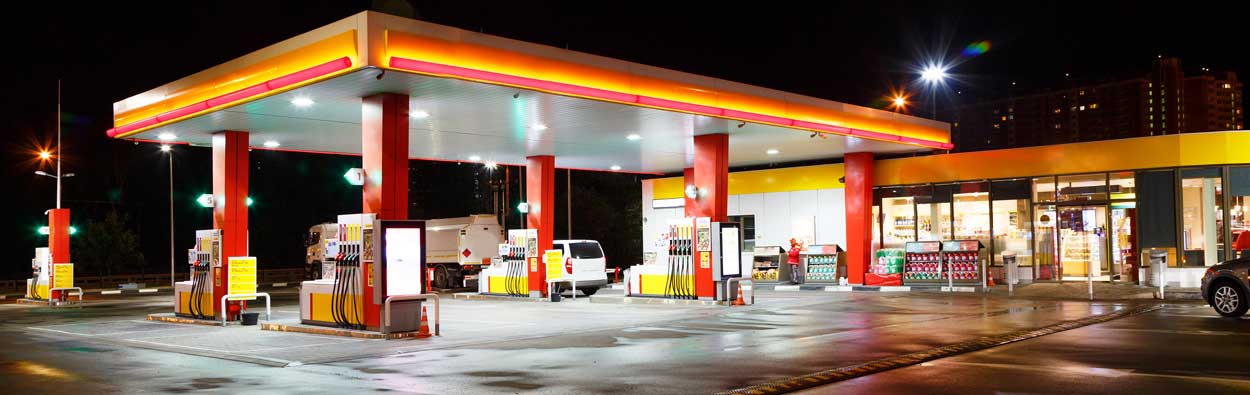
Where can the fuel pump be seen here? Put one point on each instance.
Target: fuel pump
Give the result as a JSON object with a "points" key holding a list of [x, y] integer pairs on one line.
{"points": [[372, 260], [336, 299], [40, 266], [510, 275], [194, 297], [701, 255]]}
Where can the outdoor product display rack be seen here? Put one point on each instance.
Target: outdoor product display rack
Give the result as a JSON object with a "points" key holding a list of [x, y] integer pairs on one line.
{"points": [[773, 259], [962, 259], [923, 263], [822, 264]]}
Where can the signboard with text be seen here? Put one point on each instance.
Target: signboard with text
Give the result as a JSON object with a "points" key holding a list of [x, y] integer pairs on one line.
{"points": [[242, 276], [555, 263], [62, 275]]}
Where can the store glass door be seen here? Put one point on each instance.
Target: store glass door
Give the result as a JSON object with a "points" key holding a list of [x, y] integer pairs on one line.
{"points": [[1083, 243]]}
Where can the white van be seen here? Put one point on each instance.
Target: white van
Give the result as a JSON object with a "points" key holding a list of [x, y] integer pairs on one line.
{"points": [[584, 261]]}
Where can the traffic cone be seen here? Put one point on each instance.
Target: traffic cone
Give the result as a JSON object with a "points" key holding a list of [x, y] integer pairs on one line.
{"points": [[739, 301], [424, 330], [989, 280]]}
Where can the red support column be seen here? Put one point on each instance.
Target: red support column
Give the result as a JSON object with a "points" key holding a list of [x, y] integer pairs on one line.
{"points": [[230, 169], [384, 154], [58, 243], [58, 234], [858, 215], [687, 176], [711, 177], [540, 193]]}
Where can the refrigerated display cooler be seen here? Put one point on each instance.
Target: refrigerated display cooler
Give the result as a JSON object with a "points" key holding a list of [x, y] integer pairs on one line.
{"points": [[886, 269], [963, 261], [822, 264], [769, 265], [923, 263]]}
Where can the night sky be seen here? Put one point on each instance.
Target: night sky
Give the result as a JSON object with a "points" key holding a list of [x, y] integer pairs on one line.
{"points": [[854, 52]]}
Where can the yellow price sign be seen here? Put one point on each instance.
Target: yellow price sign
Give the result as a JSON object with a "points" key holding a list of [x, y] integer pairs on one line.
{"points": [[62, 275], [555, 263], [242, 276], [705, 260]]}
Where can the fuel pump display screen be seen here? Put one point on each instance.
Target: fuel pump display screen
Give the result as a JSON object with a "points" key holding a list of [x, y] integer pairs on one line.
{"points": [[403, 261]]}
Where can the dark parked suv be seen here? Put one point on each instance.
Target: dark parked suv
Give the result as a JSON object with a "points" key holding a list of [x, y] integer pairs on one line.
{"points": [[1226, 287]]}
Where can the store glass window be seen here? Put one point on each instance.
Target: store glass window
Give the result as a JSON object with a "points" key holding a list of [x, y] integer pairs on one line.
{"points": [[933, 212], [1045, 242], [1082, 187], [1239, 185], [1202, 227], [1012, 221], [972, 212], [1044, 189], [898, 223], [1123, 186]]}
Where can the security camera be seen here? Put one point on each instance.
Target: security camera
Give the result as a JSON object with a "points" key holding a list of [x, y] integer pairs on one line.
{"points": [[841, 180], [516, 95], [742, 124], [380, 75]]}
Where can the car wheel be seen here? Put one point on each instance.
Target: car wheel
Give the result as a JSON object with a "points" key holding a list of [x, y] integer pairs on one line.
{"points": [[1229, 300], [442, 279], [589, 291]]}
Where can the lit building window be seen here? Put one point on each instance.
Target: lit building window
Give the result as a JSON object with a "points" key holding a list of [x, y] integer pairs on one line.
{"points": [[1003, 118], [1082, 108], [1093, 106], [1082, 93], [1058, 110], [1228, 86]]}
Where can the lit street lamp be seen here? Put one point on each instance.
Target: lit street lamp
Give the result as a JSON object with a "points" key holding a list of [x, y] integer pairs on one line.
{"points": [[934, 74]]}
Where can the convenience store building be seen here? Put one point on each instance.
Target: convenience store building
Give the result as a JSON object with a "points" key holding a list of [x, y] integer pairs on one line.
{"points": [[1066, 211]]}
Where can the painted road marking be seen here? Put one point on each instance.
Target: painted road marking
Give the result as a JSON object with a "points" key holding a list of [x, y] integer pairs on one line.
{"points": [[114, 292], [147, 290], [824, 377]]}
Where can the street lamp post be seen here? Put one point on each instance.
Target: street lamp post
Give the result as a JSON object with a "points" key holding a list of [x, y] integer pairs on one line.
{"points": [[169, 152]]}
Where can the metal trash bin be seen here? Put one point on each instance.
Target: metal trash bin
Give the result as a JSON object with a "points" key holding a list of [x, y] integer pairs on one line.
{"points": [[250, 318], [1011, 268], [1158, 262]]}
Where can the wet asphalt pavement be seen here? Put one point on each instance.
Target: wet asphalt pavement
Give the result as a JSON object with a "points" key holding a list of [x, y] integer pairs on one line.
{"points": [[580, 347]]}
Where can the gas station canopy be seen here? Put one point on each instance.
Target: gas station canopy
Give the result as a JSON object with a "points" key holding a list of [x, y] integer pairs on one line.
{"points": [[480, 98]]}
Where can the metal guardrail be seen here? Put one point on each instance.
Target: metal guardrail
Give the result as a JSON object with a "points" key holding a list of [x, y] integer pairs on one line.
{"points": [[729, 286], [226, 297], [67, 295], [386, 309], [572, 281], [264, 276]]}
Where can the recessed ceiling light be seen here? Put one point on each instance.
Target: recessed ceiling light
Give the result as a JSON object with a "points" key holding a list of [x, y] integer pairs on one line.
{"points": [[167, 137], [272, 144], [490, 165], [475, 158], [420, 114], [633, 137], [538, 126], [165, 148], [615, 167], [302, 102], [773, 151]]}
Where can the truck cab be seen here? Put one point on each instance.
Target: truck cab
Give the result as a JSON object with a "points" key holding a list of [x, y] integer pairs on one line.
{"points": [[315, 242]]}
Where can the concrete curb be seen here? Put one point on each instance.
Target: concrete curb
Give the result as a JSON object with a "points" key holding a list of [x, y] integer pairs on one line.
{"points": [[477, 296], [657, 301], [830, 376], [328, 331]]}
